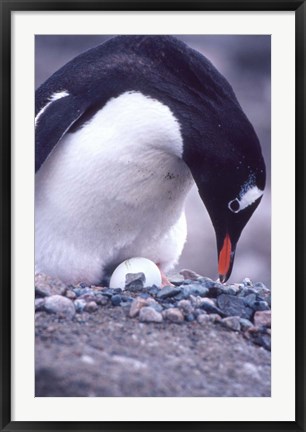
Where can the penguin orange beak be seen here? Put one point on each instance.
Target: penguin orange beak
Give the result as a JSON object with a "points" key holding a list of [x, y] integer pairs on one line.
{"points": [[226, 259]]}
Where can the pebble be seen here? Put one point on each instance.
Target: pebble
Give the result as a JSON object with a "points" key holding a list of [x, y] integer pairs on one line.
{"points": [[71, 294], [198, 290], [189, 274], [136, 305], [250, 300], [155, 306], [215, 291], [135, 281], [101, 300], [234, 306], [46, 286], [82, 291], [247, 282], [88, 297], [39, 304], [185, 306], [262, 318], [116, 300], [153, 290], [232, 323], [203, 319], [207, 282], [148, 314], [245, 324], [79, 305], [176, 279], [261, 306], [91, 307], [215, 317], [173, 315], [234, 289], [60, 305], [209, 306], [168, 291]]}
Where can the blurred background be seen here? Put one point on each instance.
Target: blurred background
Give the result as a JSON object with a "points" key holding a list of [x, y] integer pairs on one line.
{"points": [[244, 60]]}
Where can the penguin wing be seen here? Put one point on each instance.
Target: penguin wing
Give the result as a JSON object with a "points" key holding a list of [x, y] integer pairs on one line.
{"points": [[53, 121]]}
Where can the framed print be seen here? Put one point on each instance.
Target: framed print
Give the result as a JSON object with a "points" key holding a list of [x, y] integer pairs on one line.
{"points": [[152, 193]]}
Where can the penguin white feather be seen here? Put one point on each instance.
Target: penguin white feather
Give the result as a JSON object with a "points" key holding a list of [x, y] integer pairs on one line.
{"points": [[113, 189]]}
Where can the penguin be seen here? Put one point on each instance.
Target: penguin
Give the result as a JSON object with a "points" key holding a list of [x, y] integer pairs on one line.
{"points": [[122, 132]]}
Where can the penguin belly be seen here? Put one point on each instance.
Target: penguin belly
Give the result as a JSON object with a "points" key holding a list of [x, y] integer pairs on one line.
{"points": [[113, 189]]}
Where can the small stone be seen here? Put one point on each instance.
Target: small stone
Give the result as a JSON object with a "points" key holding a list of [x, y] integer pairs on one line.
{"points": [[101, 300], [190, 317], [185, 306], [83, 291], [262, 318], [247, 282], [173, 315], [148, 314], [91, 307], [136, 305], [232, 323], [261, 306], [203, 319], [234, 306], [206, 282], [152, 303], [79, 305], [261, 289], [245, 324], [198, 290], [232, 289], [116, 300], [196, 301], [60, 305], [47, 286], [87, 297], [153, 290], [215, 317], [215, 291], [209, 306], [135, 281], [71, 295], [168, 291], [176, 279], [39, 304], [125, 299], [189, 274], [108, 293], [249, 300]]}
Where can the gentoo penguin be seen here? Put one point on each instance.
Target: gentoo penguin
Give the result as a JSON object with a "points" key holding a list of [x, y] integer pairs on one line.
{"points": [[122, 133]]}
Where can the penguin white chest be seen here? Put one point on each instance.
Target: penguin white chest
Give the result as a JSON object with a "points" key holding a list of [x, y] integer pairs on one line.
{"points": [[112, 189]]}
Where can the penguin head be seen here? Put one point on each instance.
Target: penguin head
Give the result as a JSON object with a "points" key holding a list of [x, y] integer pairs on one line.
{"points": [[230, 175]]}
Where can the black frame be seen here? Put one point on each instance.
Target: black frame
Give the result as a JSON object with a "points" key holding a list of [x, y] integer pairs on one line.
{"points": [[6, 7]]}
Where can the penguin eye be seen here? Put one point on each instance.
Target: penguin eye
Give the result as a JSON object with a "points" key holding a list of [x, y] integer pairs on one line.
{"points": [[234, 205]]}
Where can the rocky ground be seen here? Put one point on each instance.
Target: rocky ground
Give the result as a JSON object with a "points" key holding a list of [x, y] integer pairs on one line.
{"points": [[197, 338]]}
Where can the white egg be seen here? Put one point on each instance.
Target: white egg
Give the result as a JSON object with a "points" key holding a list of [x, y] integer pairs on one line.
{"points": [[136, 265]]}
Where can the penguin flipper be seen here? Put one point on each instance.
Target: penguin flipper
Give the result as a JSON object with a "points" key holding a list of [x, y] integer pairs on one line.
{"points": [[53, 122]]}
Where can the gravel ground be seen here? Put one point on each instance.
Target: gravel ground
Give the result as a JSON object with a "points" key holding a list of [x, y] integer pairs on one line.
{"points": [[197, 338]]}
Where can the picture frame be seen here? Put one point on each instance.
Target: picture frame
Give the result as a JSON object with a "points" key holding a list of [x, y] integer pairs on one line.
{"points": [[7, 7]]}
